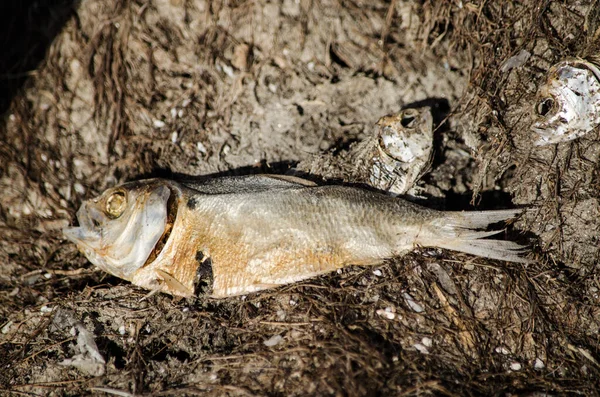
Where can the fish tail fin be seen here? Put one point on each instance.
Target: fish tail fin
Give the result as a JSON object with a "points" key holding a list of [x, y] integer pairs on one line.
{"points": [[465, 232]]}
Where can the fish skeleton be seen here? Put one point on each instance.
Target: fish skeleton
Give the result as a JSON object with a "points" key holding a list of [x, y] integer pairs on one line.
{"points": [[237, 235], [392, 158]]}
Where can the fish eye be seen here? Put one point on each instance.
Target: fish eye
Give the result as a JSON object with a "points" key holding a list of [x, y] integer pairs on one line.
{"points": [[544, 106], [408, 119], [115, 204]]}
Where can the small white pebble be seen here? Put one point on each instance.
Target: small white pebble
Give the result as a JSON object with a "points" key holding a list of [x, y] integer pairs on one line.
{"points": [[502, 350], [538, 364], [281, 315], [228, 70], [158, 123], [47, 276], [180, 113], [173, 112], [45, 309], [388, 313], [273, 88], [339, 271], [6, 327], [273, 341], [201, 148], [422, 349], [427, 342], [186, 102], [412, 303], [44, 157], [185, 309], [515, 366], [377, 272], [79, 189], [293, 302], [311, 66], [122, 330], [174, 137]]}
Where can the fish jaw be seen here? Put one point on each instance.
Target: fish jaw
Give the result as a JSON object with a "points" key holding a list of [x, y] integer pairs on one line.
{"points": [[568, 104], [84, 234]]}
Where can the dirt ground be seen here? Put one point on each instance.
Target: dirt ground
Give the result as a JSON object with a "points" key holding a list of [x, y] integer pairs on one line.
{"points": [[101, 92]]}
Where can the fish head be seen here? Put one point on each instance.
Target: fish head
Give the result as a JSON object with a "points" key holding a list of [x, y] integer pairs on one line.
{"points": [[119, 229], [408, 135], [568, 102]]}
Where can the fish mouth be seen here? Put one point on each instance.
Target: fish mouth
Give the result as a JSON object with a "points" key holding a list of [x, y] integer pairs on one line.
{"points": [[172, 208], [88, 230]]}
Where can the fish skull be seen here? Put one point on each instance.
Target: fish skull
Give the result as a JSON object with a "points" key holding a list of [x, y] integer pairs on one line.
{"points": [[568, 103], [119, 229], [405, 146]]}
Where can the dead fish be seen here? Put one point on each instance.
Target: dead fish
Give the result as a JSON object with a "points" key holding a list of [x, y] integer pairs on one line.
{"points": [[405, 146], [392, 158], [236, 235], [568, 103]]}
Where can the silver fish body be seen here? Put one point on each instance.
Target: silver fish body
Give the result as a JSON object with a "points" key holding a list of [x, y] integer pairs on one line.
{"points": [[568, 102], [250, 233]]}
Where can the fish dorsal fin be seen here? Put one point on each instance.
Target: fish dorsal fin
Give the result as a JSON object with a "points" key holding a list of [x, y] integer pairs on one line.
{"points": [[292, 179], [247, 184]]}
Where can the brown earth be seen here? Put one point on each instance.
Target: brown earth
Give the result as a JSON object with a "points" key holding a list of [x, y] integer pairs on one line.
{"points": [[127, 89]]}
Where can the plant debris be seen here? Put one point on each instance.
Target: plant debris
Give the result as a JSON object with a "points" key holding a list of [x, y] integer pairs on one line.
{"points": [[130, 89]]}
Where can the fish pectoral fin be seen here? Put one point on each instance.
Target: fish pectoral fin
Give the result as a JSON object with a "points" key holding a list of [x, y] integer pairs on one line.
{"points": [[173, 285]]}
